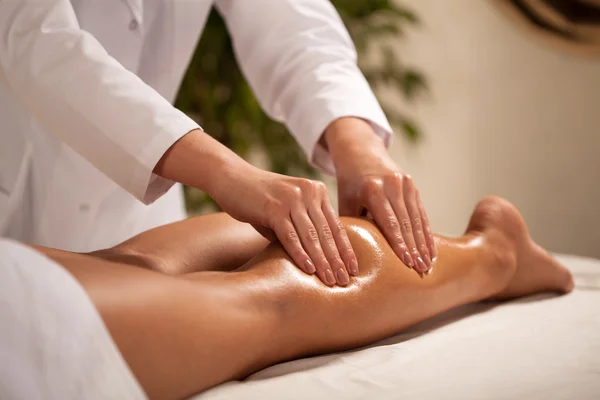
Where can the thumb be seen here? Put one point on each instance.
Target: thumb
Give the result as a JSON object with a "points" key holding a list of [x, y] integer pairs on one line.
{"points": [[349, 206], [266, 232]]}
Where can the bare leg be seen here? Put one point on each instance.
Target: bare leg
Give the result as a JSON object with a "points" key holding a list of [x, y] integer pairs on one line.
{"points": [[183, 335]]}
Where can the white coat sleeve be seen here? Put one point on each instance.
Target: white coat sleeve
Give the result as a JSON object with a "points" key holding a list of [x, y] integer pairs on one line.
{"points": [[301, 63], [88, 100]]}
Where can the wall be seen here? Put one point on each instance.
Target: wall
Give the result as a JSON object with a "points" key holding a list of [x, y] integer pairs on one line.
{"points": [[507, 115]]}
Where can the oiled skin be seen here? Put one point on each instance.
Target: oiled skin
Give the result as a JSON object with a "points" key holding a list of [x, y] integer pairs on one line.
{"points": [[181, 335], [385, 298]]}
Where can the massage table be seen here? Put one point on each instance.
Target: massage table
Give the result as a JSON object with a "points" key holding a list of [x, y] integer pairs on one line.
{"points": [[54, 345]]}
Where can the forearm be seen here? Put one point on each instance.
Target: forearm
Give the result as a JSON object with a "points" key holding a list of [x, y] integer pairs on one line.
{"points": [[200, 161], [352, 138]]}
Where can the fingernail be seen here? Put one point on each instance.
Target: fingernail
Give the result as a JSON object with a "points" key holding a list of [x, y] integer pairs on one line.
{"points": [[329, 277], [309, 267], [342, 277], [427, 261], [353, 267], [432, 252], [421, 264], [429, 271], [407, 259]]}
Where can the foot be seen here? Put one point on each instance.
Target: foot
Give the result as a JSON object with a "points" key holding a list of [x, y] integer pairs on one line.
{"points": [[534, 269]]}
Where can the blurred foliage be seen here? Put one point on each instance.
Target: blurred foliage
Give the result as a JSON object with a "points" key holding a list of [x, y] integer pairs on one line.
{"points": [[215, 93]]}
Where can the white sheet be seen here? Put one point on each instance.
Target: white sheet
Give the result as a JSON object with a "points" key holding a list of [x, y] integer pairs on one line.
{"points": [[53, 343], [541, 347]]}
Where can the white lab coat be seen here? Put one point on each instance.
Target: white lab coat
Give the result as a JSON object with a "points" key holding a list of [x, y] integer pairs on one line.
{"points": [[85, 103]]}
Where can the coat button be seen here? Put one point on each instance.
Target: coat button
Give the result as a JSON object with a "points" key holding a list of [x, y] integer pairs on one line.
{"points": [[133, 25]]}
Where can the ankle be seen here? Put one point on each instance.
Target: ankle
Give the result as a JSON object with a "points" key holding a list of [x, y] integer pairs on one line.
{"points": [[500, 254]]}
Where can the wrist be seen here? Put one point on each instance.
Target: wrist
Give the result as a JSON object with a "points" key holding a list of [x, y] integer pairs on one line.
{"points": [[229, 176], [350, 137]]}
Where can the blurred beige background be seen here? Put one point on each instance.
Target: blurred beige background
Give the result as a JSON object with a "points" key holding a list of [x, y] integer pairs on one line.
{"points": [[508, 114]]}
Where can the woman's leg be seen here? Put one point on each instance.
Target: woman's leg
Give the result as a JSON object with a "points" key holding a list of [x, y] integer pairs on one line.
{"points": [[183, 335]]}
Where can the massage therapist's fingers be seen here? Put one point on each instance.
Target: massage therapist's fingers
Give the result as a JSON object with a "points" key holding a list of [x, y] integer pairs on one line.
{"points": [[341, 238], [421, 252], [309, 236], [329, 246], [395, 195], [384, 216], [288, 237], [427, 229]]}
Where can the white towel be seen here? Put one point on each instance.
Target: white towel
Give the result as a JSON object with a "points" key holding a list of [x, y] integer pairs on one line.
{"points": [[53, 343]]}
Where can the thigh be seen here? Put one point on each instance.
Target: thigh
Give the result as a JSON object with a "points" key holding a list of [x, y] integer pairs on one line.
{"points": [[214, 242]]}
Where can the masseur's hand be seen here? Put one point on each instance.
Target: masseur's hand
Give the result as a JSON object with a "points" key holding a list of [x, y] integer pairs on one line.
{"points": [[369, 181], [298, 212]]}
